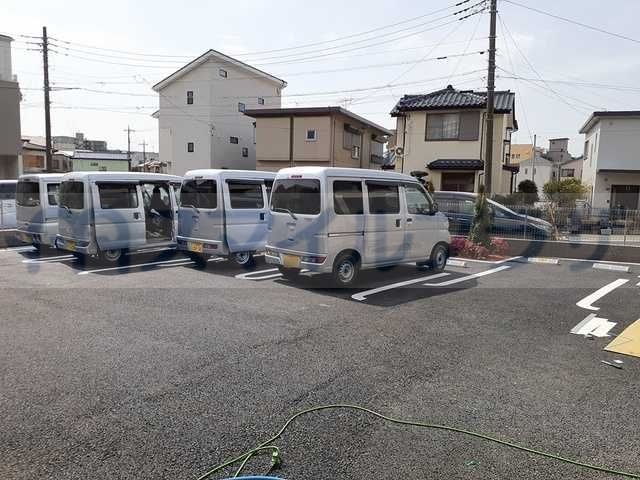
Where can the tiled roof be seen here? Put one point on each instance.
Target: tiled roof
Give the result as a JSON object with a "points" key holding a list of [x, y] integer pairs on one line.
{"points": [[456, 99], [456, 164]]}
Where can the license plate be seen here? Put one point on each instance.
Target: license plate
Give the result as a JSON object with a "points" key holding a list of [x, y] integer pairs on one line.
{"points": [[71, 246], [291, 261], [194, 247]]}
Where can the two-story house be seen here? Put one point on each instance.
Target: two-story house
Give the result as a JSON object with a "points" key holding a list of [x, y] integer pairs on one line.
{"points": [[10, 141], [201, 117], [317, 136], [444, 132], [611, 159]]}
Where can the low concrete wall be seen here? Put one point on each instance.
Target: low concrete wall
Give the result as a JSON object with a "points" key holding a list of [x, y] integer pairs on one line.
{"points": [[586, 251]]}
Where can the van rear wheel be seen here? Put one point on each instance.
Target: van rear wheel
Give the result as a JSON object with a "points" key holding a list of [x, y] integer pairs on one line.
{"points": [[244, 259], [112, 256], [345, 270]]}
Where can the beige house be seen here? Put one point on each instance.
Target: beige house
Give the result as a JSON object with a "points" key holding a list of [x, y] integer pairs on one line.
{"points": [[318, 136], [444, 133]]}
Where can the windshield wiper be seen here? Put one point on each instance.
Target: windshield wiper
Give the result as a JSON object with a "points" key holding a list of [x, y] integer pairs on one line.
{"points": [[285, 210]]}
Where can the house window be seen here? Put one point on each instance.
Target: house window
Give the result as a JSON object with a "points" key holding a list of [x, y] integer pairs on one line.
{"points": [[312, 135], [453, 126], [568, 172], [245, 151], [223, 73], [189, 97], [352, 137], [241, 107], [190, 147], [233, 140], [260, 101]]}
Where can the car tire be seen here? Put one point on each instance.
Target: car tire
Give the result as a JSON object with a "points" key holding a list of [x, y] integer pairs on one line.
{"points": [[244, 259], [438, 259], [199, 259], [345, 270], [289, 273], [114, 256]]}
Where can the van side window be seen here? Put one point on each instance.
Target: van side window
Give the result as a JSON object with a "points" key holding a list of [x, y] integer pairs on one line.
{"points": [[72, 195], [52, 193], [383, 198], [199, 194], [347, 198], [245, 194], [418, 202], [117, 195]]}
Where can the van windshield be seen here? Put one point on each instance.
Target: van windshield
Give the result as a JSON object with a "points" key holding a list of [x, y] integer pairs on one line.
{"points": [[28, 194], [296, 196], [71, 195]]}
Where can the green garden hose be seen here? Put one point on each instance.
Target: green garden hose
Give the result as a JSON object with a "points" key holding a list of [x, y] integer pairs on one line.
{"points": [[244, 458]]}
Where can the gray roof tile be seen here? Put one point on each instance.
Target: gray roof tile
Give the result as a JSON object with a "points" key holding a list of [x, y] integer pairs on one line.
{"points": [[455, 99]]}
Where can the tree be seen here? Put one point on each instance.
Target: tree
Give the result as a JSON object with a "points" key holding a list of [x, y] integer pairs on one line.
{"points": [[528, 192], [562, 194], [481, 225]]}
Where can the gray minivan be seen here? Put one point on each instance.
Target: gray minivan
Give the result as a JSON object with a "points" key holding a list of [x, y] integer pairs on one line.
{"points": [[37, 208], [109, 214], [343, 220]]}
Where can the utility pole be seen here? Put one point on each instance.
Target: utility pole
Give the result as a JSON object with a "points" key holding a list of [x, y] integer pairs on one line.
{"points": [[47, 103], [533, 159], [144, 151], [491, 77], [128, 130]]}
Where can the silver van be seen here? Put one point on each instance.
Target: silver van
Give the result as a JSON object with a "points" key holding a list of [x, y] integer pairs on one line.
{"points": [[37, 208], [8, 203], [224, 213], [340, 221], [109, 214]]}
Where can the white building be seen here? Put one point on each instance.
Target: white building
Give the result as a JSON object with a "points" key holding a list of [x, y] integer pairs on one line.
{"points": [[201, 124], [611, 160], [540, 170]]}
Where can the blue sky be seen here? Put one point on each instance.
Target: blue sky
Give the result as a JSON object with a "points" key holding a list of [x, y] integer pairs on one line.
{"points": [[163, 35]]}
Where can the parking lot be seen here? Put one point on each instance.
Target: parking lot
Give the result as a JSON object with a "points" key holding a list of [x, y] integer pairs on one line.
{"points": [[158, 369]]}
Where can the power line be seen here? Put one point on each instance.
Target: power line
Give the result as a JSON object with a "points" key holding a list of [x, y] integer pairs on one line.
{"points": [[466, 48], [575, 22], [298, 47]]}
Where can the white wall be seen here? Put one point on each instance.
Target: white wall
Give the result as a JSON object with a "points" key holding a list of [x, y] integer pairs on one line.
{"points": [[213, 118], [619, 144], [543, 173]]}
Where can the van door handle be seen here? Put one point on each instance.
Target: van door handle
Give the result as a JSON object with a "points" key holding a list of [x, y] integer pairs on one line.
{"points": [[397, 222], [136, 215], [262, 216], [409, 220]]}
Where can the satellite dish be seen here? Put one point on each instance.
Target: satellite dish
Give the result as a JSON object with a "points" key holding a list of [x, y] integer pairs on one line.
{"points": [[399, 150]]}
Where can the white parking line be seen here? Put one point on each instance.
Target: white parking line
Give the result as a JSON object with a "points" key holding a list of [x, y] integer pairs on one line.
{"points": [[492, 262], [26, 248], [611, 266], [125, 267], [61, 258], [363, 295], [187, 262], [587, 301], [468, 277], [594, 326], [251, 275]]}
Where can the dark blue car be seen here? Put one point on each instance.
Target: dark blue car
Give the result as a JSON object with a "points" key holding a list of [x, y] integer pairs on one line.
{"points": [[459, 209]]}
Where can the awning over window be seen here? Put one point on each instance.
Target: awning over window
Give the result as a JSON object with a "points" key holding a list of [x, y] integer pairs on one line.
{"points": [[456, 164]]}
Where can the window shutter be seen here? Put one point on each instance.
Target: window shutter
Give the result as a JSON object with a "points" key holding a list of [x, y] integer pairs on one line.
{"points": [[469, 125]]}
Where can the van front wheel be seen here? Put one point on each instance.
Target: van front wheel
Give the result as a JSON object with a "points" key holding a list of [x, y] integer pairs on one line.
{"points": [[439, 257], [345, 270]]}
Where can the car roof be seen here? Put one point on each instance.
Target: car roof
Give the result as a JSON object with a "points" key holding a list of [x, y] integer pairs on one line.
{"points": [[461, 195], [41, 176], [229, 174], [120, 176], [324, 172]]}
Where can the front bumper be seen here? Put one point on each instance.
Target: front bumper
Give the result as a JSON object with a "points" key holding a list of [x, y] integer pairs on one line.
{"points": [[313, 262]]}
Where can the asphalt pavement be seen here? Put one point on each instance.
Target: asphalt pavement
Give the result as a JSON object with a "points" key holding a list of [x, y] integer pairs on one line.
{"points": [[162, 370]]}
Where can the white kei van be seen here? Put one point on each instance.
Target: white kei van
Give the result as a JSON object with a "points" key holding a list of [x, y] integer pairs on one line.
{"points": [[37, 208], [343, 220], [108, 214], [8, 203], [224, 213]]}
